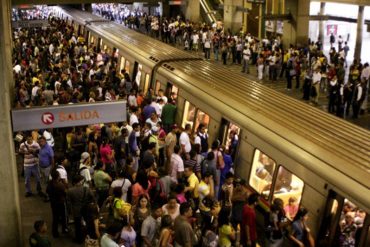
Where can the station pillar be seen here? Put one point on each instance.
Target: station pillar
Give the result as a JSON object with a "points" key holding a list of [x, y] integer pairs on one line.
{"points": [[233, 18], [10, 217], [360, 25], [192, 10], [321, 23], [296, 30]]}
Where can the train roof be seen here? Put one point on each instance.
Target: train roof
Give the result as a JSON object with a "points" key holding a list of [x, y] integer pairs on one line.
{"points": [[343, 145], [149, 47]]}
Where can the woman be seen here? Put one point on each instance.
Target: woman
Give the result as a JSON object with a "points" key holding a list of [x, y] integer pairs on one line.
{"points": [[128, 234], [141, 212], [107, 157], [165, 238], [121, 209], [224, 49], [92, 225], [300, 232], [141, 187], [92, 147], [225, 230], [172, 208]]}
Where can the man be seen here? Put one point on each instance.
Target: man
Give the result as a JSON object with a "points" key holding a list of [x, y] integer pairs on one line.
{"points": [[238, 200], [248, 233], [184, 234], [46, 160], [202, 138], [112, 234], [61, 163], [77, 197], [121, 148], [39, 237], [246, 59], [316, 79], [151, 226], [84, 169], [123, 182], [357, 99], [205, 189], [177, 165], [102, 181], [185, 139], [30, 149], [193, 184], [134, 116], [332, 40], [170, 143], [133, 145], [149, 156]]}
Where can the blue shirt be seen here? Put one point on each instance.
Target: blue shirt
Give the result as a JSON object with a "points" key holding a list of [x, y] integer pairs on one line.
{"points": [[147, 111], [132, 142], [46, 155]]}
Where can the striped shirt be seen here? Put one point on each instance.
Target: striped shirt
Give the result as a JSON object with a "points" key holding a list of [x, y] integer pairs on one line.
{"points": [[29, 151]]}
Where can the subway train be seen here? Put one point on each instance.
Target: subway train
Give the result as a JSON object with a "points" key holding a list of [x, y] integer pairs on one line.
{"points": [[285, 148]]}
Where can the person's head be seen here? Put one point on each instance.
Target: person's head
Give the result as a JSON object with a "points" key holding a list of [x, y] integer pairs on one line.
{"points": [[136, 127], [188, 128], [85, 158], [100, 166], [78, 180], [151, 146], [29, 139], [348, 218], [40, 226], [117, 192], [114, 229], [292, 200], [42, 141], [215, 144], [143, 201], [188, 171], [156, 210], [186, 210], [253, 199], [207, 177], [302, 214], [176, 149], [124, 132], [54, 175], [223, 217], [172, 201], [202, 128], [174, 128], [279, 203], [229, 178], [166, 221], [210, 156]]}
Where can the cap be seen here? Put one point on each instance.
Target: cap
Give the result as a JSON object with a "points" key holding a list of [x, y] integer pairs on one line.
{"points": [[84, 156]]}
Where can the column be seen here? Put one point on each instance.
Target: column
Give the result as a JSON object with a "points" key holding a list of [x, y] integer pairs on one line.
{"points": [[289, 29], [321, 23], [233, 19], [192, 10], [10, 218], [360, 25], [303, 13]]}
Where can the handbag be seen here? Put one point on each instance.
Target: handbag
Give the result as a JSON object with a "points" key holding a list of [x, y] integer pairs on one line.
{"points": [[89, 242]]}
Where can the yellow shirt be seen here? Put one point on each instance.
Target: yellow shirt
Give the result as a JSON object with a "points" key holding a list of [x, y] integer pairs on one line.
{"points": [[194, 183]]}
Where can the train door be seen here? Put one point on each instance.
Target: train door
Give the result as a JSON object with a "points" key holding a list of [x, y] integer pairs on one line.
{"points": [[229, 136], [99, 45], [343, 223], [157, 86], [122, 64], [136, 74], [194, 116], [146, 83]]}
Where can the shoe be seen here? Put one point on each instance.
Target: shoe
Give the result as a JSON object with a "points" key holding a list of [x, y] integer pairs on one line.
{"points": [[28, 194]]}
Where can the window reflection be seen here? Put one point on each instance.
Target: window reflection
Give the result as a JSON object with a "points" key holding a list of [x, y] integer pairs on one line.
{"points": [[201, 118], [189, 114]]}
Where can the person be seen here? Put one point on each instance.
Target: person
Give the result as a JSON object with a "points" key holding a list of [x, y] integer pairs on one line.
{"points": [[202, 138], [226, 231], [128, 233], [176, 165], [30, 149], [92, 225], [56, 190], [192, 188], [246, 58], [168, 116], [300, 234], [121, 209], [39, 237], [170, 143], [107, 156], [133, 145], [248, 233], [171, 208], [141, 187], [332, 39], [101, 181], [84, 168], [184, 235], [165, 237], [150, 226], [46, 160], [121, 148], [291, 208], [315, 89], [205, 189], [112, 233], [357, 99], [123, 182], [276, 223], [141, 212], [185, 139], [77, 197], [227, 191], [238, 200], [348, 231]]}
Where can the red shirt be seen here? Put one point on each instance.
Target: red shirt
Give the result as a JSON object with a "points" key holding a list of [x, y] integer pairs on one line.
{"points": [[105, 151], [249, 219]]}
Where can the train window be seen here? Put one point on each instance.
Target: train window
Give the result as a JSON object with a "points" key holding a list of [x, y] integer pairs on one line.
{"points": [[157, 87], [101, 43], [122, 65], [263, 168], [175, 90], [92, 39], [189, 114], [146, 85], [138, 75], [201, 118], [288, 187], [350, 224]]}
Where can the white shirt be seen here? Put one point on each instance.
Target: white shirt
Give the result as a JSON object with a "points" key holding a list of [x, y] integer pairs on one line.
{"points": [[123, 183], [133, 119], [17, 68], [246, 54], [184, 140], [132, 100], [62, 173], [316, 78], [86, 174], [366, 73], [49, 138], [106, 241], [34, 91], [177, 165]]}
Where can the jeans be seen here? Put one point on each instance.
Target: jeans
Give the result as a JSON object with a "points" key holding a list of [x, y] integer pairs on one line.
{"points": [[45, 172], [28, 172], [207, 53], [245, 66], [215, 51], [59, 217]]}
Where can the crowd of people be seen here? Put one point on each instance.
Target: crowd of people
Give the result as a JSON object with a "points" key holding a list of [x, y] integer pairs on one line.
{"points": [[313, 72], [143, 182]]}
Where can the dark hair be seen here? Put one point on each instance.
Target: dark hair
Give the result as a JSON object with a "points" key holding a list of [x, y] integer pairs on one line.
{"points": [[184, 207], [38, 224], [223, 217], [54, 174], [135, 125], [166, 221], [188, 127], [152, 145], [117, 192], [210, 156], [253, 198], [76, 179], [176, 149], [300, 214], [229, 175], [99, 165], [142, 179], [113, 228]]}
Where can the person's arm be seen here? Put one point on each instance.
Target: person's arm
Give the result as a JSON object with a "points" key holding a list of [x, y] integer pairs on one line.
{"points": [[232, 234], [294, 239], [96, 227], [144, 234], [165, 239], [108, 178]]}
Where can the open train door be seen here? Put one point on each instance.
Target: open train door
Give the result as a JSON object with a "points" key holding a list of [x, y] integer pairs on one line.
{"points": [[229, 136], [343, 222]]}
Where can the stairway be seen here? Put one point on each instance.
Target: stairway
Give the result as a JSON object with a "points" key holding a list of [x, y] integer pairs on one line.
{"points": [[210, 11]]}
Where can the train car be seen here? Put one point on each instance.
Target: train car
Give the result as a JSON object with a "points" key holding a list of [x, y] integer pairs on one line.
{"points": [[285, 148]]}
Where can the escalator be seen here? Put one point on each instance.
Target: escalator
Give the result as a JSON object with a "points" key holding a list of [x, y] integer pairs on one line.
{"points": [[210, 10]]}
